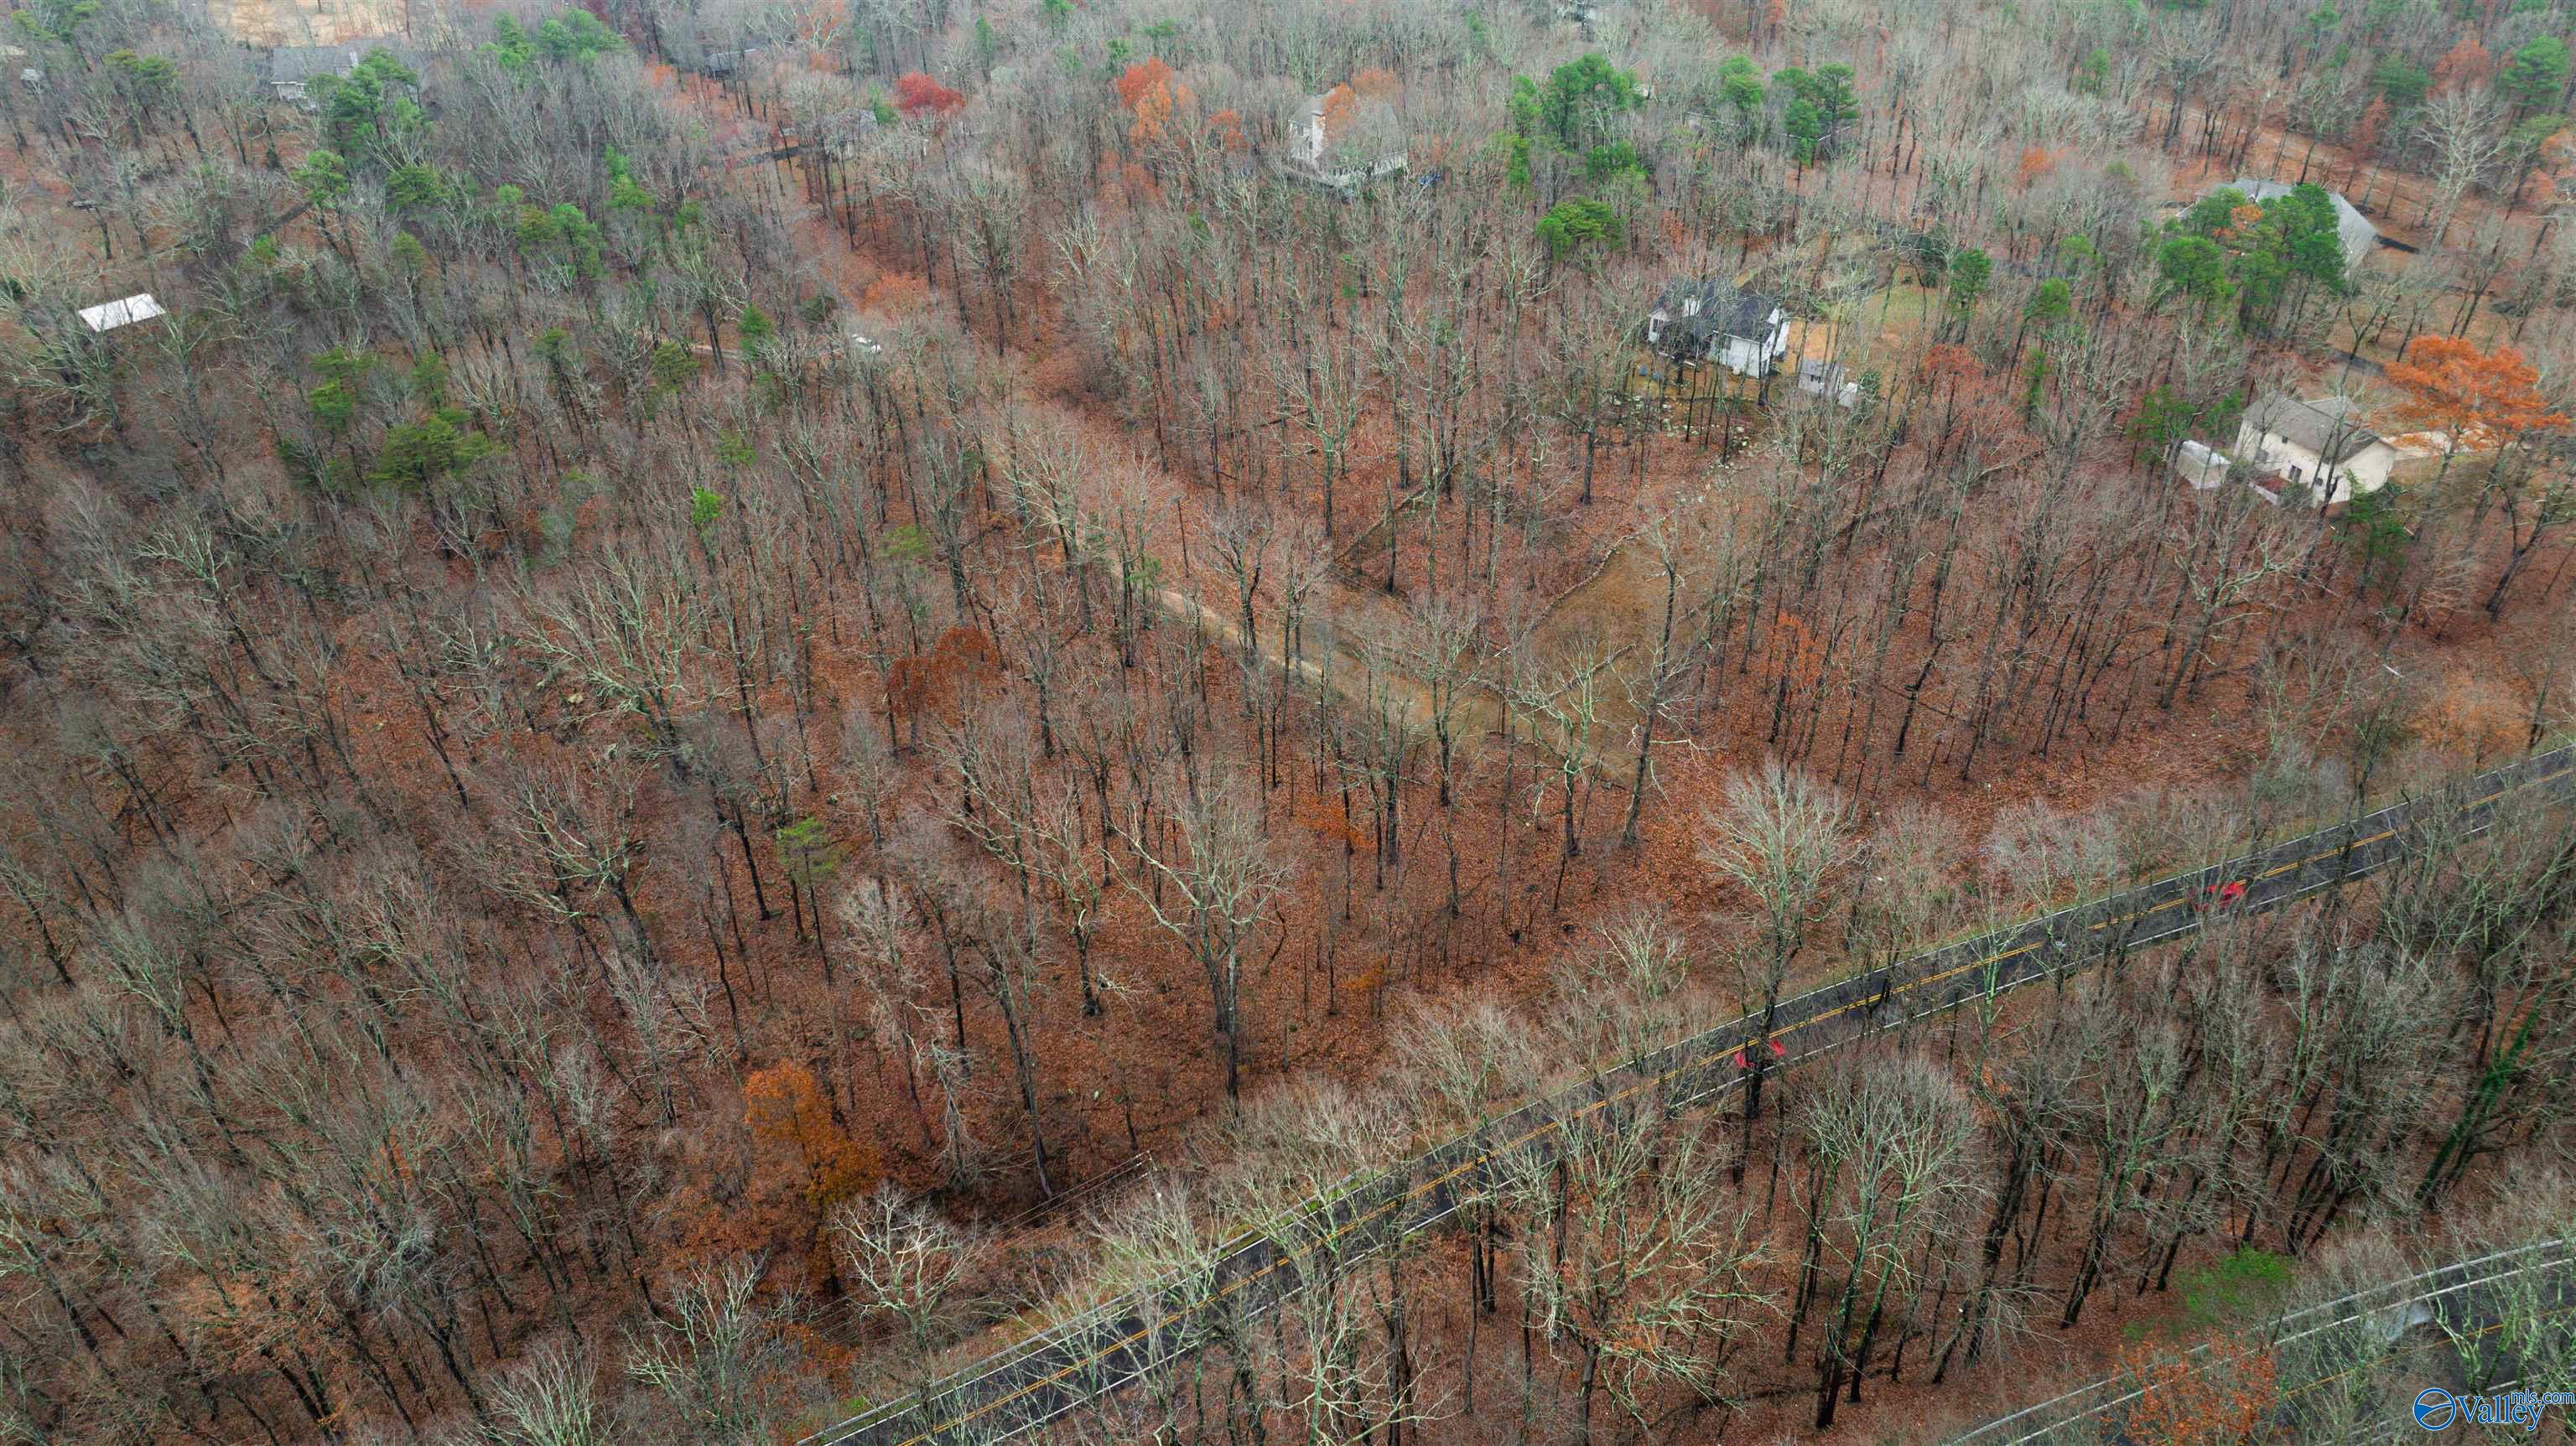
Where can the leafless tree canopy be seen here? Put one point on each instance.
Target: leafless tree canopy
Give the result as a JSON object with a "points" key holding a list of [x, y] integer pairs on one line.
{"points": [[706, 708]]}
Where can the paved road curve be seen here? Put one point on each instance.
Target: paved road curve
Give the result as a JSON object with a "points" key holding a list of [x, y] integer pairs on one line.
{"points": [[1043, 1377]]}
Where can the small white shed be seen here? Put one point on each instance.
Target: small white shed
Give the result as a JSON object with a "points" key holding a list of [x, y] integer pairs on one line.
{"points": [[2201, 465], [109, 315]]}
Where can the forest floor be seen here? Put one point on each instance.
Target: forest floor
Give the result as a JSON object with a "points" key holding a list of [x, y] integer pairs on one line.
{"points": [[1498, 952], [263, 23], [1779, 1402], [2193, 744]]}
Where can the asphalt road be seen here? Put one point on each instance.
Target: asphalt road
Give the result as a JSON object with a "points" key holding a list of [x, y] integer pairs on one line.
{"points": [[1052, 1373], [2356, 1333]]}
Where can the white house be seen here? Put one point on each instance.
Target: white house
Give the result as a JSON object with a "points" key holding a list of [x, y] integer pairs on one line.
{"points": [[2325, 449], [1709, 320]]}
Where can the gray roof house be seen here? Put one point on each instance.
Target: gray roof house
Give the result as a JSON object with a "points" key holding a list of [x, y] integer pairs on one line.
{"points": [[2352, 228], [292, 68], [1313, 160], [2329, 427], [1830, 379], [2326, 447], [1708, 319]]}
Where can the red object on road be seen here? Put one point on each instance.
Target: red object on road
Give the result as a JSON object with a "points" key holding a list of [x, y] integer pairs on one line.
{"points": [[1778, 1050], [1740, 1061]]}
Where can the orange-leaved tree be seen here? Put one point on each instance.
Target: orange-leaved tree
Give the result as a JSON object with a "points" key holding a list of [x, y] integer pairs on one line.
{"points": [[2464, 65], [1340, 103], [1153, 91], [784, 1105], [2223, 1395], [2478, 400], [1375, 82], [915, 92], [2486, 402]]}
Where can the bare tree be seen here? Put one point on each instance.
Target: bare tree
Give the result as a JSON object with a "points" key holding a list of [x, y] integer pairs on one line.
{"points": [[1470, 1065], [1892, 1142], [912, 1268], [1224, 883], [2463, 140], [720, 1359], [1780, 835], [549, 1400]]}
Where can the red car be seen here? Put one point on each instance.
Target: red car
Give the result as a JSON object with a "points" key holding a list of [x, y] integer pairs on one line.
{"points": [[2219, 896]]}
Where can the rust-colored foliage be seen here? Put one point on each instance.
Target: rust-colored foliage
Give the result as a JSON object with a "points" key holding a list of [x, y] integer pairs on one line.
{"points": [[1152, 91], [1375, 83], [819, 25], [1226, 129], [2222, 1397], [784, 1105], [2036, 163], [1339, 104], [1140, 77], [2558, 153], [2477, 399], [916, 93], [2366, 135], [1323, 816], [2467, 63], [961, 661], [1952, 364], [896, 293], [2473, 719], [1800, 653]]}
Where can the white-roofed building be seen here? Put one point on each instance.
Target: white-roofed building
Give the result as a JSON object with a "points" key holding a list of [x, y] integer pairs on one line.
{"points": [[109, 315]]}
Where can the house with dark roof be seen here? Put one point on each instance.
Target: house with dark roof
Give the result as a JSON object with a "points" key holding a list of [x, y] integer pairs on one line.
{"points": [[1709, 320], [2326, 449]]}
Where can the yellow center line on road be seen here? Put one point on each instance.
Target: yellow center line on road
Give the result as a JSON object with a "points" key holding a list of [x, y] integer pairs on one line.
{"points": [[1559, 1122], [2323, 1381], [2149, 1388]]}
